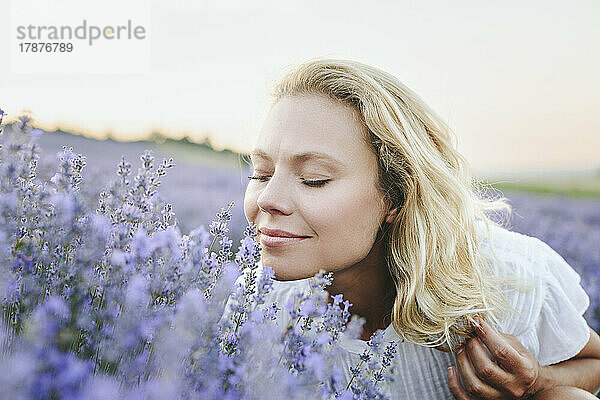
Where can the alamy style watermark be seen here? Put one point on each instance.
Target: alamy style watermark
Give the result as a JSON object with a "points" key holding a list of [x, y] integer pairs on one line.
{"points": [[89, 33], [107, 37]]}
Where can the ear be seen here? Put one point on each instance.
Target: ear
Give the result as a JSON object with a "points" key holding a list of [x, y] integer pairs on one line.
{"points": [[391, 215]]}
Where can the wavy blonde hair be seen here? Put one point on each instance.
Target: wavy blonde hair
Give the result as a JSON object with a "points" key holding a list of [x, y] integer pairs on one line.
{"points": [[432, 250]]}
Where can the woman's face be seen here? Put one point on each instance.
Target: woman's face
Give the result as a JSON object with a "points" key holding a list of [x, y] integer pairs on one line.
{"points": [[317, 179]]}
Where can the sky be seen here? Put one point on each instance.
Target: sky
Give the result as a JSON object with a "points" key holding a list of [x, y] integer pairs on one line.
{"points": [[517, 81]]}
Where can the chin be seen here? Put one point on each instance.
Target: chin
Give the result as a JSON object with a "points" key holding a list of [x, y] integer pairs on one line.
{"points": [[287, 269], [287, 275]]}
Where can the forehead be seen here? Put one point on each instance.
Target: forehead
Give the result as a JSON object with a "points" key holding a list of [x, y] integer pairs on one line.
{"points": [[312, 128]]}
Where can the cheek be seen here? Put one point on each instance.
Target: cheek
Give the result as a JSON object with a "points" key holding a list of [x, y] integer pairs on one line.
{"points": [[250, 205], [352, 216]]}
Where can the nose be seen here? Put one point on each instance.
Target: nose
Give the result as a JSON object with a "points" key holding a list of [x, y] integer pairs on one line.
{"points": [[275, 197]]}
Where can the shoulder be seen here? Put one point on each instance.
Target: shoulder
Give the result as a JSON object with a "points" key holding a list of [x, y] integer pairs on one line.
{"points": [[543, 290], [512, 248], [520, 256]]}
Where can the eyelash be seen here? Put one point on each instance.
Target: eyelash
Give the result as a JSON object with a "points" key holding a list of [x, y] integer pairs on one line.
{"points": [[317, 183]]}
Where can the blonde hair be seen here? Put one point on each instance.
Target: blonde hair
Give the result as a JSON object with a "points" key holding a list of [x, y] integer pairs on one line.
{"points": [[442, 280]]}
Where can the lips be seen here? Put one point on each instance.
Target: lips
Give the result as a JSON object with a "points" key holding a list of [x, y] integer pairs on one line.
{"points": [[278, 237], [279, 233]]}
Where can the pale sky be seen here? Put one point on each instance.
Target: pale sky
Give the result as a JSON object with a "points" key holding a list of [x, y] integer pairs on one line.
{"points": [[517, 81]]}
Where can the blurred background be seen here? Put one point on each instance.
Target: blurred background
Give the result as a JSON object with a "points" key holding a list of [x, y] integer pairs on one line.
{"points": [[516, 81]]}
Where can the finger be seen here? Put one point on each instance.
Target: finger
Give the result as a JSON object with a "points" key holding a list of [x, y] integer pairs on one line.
{"points": [[488, 371], [509, 358], [473, 385], [518, 346], [455, 386]]}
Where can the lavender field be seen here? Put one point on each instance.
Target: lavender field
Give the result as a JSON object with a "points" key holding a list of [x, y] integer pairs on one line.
{"points": [[119, 279], [198, 186]]}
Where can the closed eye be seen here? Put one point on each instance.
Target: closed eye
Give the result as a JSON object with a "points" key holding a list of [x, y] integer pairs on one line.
{"points": [[258, 177], [314, 183]]}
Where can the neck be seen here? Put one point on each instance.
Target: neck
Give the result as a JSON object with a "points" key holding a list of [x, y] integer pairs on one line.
{"points": [[370, 288]]}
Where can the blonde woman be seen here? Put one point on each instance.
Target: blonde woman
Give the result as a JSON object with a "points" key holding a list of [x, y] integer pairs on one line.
{"points": [[354, 174]]}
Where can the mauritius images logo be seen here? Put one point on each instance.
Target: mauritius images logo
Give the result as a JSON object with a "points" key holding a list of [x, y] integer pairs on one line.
{"points": [[86, 32], [67, 36]]}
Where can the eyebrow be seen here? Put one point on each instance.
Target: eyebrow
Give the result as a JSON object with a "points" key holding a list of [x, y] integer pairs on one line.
{"points": [[301, 158]]}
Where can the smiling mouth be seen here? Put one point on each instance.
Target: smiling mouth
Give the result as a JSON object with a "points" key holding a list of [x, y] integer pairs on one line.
{"points": [[277, 241]]}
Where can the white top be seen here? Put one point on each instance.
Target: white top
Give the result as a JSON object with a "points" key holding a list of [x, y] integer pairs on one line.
{"points": [[549, 322]]}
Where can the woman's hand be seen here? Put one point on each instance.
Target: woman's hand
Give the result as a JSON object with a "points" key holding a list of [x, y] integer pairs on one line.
{"points": [[516, 374]]}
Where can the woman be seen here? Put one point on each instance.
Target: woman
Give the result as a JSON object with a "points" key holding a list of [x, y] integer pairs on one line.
{"points": [[354, 174]]}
